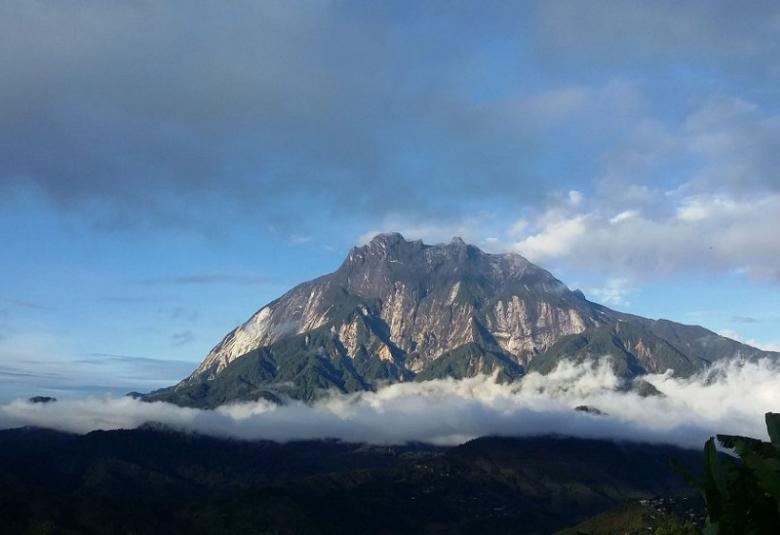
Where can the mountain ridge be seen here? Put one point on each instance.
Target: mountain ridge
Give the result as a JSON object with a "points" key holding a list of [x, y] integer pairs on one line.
{"points": [[398, 310]]}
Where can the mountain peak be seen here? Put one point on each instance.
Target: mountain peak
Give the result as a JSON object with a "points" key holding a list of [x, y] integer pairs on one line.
{"points": [[377, 269], [393, 245], [389, 254], [390, 239], [387, 239], [382, 248]]}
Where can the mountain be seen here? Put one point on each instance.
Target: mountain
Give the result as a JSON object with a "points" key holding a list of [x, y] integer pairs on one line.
{"points": [[149, 480], [398, 310]]}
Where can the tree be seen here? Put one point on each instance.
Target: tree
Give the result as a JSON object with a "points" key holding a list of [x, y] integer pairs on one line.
{"points": [[743, 492]]}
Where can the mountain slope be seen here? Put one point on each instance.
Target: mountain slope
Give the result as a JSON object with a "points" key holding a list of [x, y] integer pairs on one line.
{"points": [[399, 310]]}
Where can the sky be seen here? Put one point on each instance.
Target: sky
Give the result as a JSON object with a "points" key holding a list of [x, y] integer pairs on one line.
{"points": [[167, 168]]}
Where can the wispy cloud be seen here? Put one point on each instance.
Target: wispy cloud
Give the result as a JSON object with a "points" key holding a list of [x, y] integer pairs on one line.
{"points": [[300, 240], [101, 358], [126, 299], [745, 319], [22, 303], [11, 371], [206, 279], [94, 372], [182, 338]]}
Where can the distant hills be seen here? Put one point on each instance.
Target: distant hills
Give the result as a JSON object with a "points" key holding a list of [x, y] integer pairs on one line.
{"points": [[150, 481], [398, 310]]}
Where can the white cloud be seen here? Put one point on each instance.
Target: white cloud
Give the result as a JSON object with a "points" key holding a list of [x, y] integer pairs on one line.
{"points": [[556, 239], [625, 215], [698, 194], [614, 292], [575, 197], [731, 398], [703, 207], [517, 228], [700, 232], [766, 346], [702, 193], [300, 240]]}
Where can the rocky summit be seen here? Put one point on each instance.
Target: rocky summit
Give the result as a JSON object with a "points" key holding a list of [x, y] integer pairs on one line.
{"points": [[398, 310]]}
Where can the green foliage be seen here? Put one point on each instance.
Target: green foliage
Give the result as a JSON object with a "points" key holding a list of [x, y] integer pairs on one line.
{"points": [[633, 518], [743, 495], [675, 527], [619, 340], [470, 359]]}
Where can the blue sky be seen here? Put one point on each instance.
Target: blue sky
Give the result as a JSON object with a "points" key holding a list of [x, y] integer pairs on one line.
{"points": [[168, 168]]}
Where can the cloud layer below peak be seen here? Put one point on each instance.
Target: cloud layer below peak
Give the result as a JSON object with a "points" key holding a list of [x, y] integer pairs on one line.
{"points": [[730, 398]]}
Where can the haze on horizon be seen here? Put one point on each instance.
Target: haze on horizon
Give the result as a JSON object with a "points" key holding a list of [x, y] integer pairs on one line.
{"points": [[166, 171]]}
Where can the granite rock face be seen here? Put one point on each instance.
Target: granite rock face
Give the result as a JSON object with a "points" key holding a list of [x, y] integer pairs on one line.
{"points": [[398, 310]]}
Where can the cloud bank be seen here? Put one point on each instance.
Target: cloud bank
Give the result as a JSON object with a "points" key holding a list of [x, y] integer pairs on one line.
{"points": [[138, 113], [142, 113], [728, 398], [702, 232]]}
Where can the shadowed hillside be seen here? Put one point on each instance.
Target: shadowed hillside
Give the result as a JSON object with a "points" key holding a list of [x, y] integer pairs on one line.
{"points": [[154, 481]]}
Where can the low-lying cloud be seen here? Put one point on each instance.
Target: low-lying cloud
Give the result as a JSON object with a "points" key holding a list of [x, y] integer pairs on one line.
{"points": [[728, 398]]}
